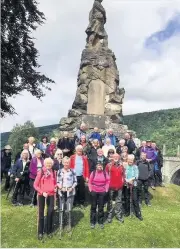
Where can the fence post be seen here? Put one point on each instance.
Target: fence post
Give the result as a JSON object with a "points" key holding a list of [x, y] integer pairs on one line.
{"points": [[178, 151], [164, 149]]}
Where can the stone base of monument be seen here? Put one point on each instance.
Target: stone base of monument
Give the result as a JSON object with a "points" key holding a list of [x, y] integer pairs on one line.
{"points": [[102, 122]]}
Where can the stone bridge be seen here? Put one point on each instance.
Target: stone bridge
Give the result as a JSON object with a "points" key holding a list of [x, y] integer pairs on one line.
{"points": [[171, 170]]}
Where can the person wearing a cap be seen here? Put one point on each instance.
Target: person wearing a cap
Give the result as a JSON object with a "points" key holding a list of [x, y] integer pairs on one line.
{"points": [[6, 164], [98, 187], [116, 172], [151, 157]]}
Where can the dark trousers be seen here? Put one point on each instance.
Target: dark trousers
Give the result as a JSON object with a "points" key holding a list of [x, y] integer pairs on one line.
{"points": [[97, 200], [33, 192], [80, 191], [132, 195], [42, 201], [151, 179], [143, 184], [20, 188], [126, 200], [117, 195], [158, 177], [7, 181]]}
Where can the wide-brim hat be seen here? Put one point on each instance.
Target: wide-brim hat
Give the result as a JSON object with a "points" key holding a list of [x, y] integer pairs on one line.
{"points": [[7, 147]]}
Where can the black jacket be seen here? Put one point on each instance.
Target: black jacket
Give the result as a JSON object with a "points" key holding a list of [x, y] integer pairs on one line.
{"points": [[66, 143], [144, 170], [131, 145], [18, 169], [119, 150], [159, 158], [5, 161], [57, 165]]}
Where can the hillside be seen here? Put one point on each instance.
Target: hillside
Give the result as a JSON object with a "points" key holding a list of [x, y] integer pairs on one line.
{"points": [[159, 229], [162, 126]]}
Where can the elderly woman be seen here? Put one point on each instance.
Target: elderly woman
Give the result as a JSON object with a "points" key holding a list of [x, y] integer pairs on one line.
{"points": [[111, 136], [21, 174], [43, 145], [84, 144], [35, 165], [98, 186], [107, 146], [45, 185], [79, 163], [120, 146], [51, 149], [31, 145], [58, 157], [66, 183]]}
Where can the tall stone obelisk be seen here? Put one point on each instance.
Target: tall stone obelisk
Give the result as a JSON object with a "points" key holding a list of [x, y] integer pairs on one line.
{"points": [[99, 99]]}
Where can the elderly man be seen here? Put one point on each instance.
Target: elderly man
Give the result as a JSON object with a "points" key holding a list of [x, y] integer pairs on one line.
{"points": [[66, 145], [80, 132], [112, 137], [79, 163], [6, 164], [129, 143], [96, 135], [120, 147]]}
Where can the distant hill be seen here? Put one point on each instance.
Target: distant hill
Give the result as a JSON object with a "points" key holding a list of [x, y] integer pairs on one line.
{"points": [[162, 126]]}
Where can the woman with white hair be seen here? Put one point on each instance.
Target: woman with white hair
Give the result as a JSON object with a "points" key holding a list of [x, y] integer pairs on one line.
{"points": [[45, 185], [21, 174], [120, 147], [66, 183], [58, 157], [35, 165], [51, 148], [107, 146], [31, 145], [79, 163]]}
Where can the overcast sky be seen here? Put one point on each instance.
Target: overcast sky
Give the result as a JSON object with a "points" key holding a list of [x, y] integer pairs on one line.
{"points": [[145, 37]]}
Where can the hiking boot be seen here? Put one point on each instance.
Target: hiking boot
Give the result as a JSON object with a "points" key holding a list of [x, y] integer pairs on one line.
{"points": [[92, 226], [148, 204], [32, 205], [40, 236], [121, 220], [14, 204], [50, 236], [101, 226], [140, 218], [20, 204], [153, 187]]}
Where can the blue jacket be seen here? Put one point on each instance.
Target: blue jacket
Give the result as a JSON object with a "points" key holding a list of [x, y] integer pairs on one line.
{"points": [[132, 172], [18, 170], [95, 135]]}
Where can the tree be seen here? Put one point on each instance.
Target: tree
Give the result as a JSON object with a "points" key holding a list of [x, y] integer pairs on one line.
{"points": [[19, 18], [20, 134]]}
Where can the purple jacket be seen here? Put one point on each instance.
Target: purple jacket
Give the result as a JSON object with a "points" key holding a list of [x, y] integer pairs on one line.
{"points": [[150, 153], [33, 167]]}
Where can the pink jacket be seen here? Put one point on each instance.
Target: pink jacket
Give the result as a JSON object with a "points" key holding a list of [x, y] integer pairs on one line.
{"points": [[98, 182], [45, 182]]}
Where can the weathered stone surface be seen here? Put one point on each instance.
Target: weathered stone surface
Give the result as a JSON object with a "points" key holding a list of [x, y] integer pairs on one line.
{"points": [[96, 99], [99, 99]]}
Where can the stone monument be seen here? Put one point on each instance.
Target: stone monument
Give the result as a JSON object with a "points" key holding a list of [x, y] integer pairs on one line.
{"points": [[99, 99]]}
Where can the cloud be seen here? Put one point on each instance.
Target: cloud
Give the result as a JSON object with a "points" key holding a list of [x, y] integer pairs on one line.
{"points": [[149, 76]]}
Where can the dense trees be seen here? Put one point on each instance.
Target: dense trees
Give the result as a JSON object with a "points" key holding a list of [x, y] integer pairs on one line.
{"points": [[19, 65]]}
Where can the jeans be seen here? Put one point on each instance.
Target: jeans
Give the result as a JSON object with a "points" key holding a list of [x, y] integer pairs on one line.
{"points": [[97, 201], [117, 194]]}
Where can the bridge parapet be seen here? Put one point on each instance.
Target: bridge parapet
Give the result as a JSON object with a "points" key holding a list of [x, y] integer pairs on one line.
{"points": [[170, 167]]}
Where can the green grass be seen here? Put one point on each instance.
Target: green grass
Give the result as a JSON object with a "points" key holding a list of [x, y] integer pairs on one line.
{"points": [[160, 227]]}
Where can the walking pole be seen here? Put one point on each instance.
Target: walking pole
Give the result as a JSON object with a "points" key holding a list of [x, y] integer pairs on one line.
{"points": [[13, 185], [70, 229], [61, 219]]}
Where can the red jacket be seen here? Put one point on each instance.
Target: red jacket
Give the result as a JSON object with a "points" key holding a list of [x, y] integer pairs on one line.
{"points": [[117, 176], [85, 165], [45, 182]]}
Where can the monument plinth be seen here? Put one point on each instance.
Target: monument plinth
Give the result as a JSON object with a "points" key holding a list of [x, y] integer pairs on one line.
{"points": [[99, 99]]}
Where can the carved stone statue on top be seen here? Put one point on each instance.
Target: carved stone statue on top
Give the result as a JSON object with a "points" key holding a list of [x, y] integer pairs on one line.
{"points": [[95, 31]]}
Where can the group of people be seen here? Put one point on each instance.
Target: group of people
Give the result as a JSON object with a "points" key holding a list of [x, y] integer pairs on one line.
{"points": [[67, 173]]}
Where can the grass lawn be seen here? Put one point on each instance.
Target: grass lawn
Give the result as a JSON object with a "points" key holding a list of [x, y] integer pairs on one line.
{"points": [[160, 227]]}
